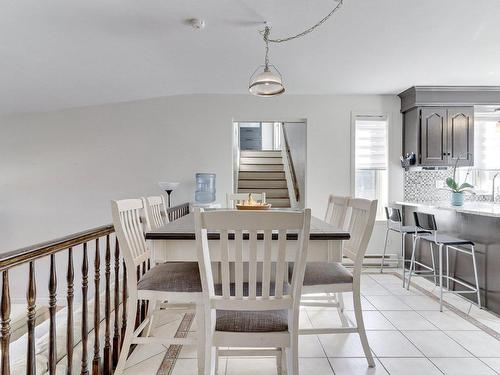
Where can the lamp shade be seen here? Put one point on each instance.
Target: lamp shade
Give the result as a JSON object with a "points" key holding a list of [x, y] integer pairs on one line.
{"points": [[266, 83]]}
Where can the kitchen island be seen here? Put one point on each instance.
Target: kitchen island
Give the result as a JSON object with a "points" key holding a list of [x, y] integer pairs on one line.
{"points": [[475, 221]]}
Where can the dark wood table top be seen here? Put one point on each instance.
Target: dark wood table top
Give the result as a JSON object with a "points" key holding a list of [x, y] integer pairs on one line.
{"points": [[183, 229]]}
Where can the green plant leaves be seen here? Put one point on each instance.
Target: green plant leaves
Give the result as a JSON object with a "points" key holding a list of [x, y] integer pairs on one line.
{"points": [[452, 184], [464, 186]]}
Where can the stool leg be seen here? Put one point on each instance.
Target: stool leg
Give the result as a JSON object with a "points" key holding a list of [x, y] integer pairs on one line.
{"points": [[441, 277], [433, 262], [475, 276], [385, 249], [447, 267], [403, 249], [412, 262]]}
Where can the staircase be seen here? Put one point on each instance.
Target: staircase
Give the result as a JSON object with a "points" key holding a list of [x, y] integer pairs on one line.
{"points": [[262, 172]]}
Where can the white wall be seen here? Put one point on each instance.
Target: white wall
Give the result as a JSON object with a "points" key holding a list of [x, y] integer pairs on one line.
{"points": [[59, 170]]}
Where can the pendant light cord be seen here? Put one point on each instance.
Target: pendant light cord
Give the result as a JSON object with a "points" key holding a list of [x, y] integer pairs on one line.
{"points": [[265, 33]]}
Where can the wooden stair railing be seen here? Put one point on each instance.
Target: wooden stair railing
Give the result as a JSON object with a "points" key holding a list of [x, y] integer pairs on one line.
{"points": [[101, 363]]}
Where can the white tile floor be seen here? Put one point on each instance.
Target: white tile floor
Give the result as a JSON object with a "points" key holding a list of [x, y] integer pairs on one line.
{"points": [[407, 334]]}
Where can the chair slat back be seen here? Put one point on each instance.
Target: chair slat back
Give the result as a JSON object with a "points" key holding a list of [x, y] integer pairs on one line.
{"points": [[130, 223], [336, 210], [256, 242], [156, 211], [361, 220], [239, 198]]}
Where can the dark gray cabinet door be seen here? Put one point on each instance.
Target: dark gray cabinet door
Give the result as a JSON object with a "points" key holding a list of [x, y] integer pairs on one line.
{"points": [[433, 136], [251, 138], [461, 135]]}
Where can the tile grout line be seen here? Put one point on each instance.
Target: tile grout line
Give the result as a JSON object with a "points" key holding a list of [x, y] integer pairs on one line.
{"points": [[432, 296]]}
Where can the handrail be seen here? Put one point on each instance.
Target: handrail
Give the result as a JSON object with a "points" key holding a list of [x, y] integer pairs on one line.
{"points": [[33, 252], [290, 165], [29, 253], [101, 240]]}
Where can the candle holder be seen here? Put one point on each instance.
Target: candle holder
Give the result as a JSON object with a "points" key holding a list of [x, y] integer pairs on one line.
{"points": [[169, 187]]}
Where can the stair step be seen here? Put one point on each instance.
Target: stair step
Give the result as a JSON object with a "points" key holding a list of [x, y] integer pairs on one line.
{"points": [[263, 184], [261, 167], [253, 175], [260, 154], [266, 160], [279, 202], [270, 193]]}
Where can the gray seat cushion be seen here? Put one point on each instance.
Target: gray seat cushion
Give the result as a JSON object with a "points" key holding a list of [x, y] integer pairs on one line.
{"points": [[323, 273], [252, 321], [172, 277], [446, 240]]}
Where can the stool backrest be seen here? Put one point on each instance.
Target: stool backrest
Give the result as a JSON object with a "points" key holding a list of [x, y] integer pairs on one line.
{"points": [[253, 240], [393, 214], [238, 198], [156, 211], [336, 210], [425, 221]]}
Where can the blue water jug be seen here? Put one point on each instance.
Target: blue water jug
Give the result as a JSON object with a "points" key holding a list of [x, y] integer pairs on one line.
{"points": [[205, 188]]}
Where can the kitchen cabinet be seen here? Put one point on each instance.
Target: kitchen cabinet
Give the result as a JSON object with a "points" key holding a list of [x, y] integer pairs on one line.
{"points": [[440, 135]]}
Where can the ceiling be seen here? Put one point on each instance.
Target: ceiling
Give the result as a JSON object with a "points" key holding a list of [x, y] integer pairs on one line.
{"points": [[57, 54]]}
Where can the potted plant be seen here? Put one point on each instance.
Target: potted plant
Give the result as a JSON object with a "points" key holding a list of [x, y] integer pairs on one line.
{"points": [[458, 190]]}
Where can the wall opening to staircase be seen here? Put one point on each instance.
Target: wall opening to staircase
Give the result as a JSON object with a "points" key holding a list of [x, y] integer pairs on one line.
{"points": [[270, 157]]}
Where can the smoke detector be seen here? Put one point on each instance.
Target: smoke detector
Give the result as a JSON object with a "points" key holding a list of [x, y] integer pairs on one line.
{"points": [[197, 24]]}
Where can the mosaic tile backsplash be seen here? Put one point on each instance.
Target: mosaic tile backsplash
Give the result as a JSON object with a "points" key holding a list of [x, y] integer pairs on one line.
{"points": [[420, 186]]}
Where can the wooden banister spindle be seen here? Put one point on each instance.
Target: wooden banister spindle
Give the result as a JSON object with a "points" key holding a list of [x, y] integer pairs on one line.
{"points": [[107, 310], [116, 332], [31, 299], [124, 301], [70, 277], [52, 315], [5, 323], [85, 333], [96, 362]]}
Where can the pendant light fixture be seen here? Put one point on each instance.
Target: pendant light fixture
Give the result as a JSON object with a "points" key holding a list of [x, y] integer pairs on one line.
{"points": [[269, 82]]}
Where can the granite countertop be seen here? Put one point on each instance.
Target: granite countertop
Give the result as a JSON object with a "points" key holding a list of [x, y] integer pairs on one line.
{"points": [[474, 208]]}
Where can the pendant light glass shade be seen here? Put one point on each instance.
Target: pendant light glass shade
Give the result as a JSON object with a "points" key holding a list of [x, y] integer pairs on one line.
{"points": [[267, 83]]}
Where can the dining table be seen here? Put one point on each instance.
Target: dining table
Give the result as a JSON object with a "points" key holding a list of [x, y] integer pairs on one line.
{"points": [[176, 241]]}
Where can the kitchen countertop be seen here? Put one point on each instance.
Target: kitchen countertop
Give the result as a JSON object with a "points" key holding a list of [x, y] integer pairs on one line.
{"points": [[474, 208]]}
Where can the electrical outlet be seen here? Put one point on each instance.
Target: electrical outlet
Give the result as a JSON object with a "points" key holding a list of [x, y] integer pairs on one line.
{"points": [[439, 184]]}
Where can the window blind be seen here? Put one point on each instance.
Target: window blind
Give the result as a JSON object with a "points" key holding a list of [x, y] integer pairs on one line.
{"points": [[486, 144], [370, 144]]}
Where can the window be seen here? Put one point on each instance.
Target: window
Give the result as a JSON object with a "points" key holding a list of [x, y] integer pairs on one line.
{"points": [[486, 153], [370, 160]]}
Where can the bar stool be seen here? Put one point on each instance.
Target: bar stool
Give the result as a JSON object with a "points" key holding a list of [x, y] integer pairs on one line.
{"points": [[395, 224], [428, 222]]}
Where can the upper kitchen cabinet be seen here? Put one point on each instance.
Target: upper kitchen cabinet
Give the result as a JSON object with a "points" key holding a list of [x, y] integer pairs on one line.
{"points": [[438, 122], [440, 135]]}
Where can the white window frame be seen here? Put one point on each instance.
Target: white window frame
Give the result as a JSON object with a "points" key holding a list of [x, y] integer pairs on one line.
{"points": [[352, 172]]}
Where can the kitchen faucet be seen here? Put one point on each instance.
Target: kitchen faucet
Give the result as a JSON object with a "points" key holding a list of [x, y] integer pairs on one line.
{"points": [[493, 187]]}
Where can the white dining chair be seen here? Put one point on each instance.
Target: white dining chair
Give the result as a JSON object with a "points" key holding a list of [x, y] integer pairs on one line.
{"points": [[238, 198], [177, 283], [325, 277], [261, 314], [156, 211], [336, 210]]}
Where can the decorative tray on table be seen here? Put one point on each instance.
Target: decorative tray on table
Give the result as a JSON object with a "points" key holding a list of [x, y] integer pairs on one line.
{"points": [[252, 205], [255, 206]]}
